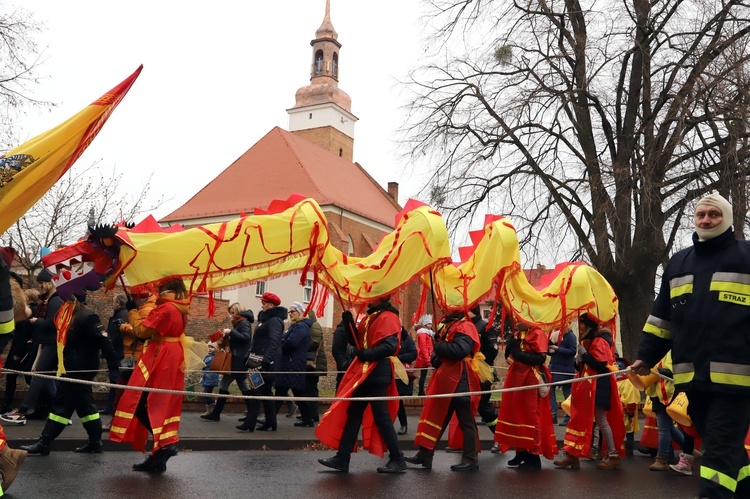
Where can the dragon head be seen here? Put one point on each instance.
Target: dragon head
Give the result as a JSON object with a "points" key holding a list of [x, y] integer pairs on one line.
{"points": [[84, 265]]}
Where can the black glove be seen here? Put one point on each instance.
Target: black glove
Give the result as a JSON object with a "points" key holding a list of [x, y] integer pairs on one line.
{"points": [[358, 354], [347, 316], [665, 372], [130, 305]]}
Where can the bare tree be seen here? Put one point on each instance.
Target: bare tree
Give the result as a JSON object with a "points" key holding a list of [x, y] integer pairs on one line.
{"points": [[609, 118], [19, 59], [82, 198]]}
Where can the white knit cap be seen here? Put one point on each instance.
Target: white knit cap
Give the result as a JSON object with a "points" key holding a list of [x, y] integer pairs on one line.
{"points": [[722, 204], [298, 307], [425, 319]]}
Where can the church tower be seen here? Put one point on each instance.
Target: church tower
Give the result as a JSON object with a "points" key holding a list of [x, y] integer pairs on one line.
{"points": [[322, 112]]}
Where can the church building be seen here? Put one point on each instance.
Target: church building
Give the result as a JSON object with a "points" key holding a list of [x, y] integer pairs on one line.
{"points": [[315, 159]]}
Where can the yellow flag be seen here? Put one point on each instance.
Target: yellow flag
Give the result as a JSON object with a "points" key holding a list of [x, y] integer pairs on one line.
{"points": [[31, 169]]}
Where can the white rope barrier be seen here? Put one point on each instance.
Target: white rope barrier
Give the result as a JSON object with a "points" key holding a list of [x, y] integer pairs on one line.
{"points": [[315, 399]]}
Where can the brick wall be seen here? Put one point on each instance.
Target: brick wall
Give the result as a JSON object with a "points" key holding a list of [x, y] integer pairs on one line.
{"points": [[330, 139]]}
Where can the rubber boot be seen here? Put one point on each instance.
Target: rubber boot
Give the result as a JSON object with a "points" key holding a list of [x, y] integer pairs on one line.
{"points": [[215, 415], [10, 461]]}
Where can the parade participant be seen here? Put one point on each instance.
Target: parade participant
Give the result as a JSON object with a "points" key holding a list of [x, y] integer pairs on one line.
{"points": [[161, 366], [488, 347], [455, 360], [85, 343], [10, 459], [371, 374], [267, 344], [523, 422], [701, 313], [342, 351], [595, 399]]}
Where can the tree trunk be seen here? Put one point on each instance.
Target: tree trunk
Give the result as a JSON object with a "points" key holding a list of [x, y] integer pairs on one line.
{"points": [[636, 299]]}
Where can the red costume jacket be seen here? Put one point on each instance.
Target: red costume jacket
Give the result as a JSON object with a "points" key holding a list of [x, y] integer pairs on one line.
{"points": [[445, 379], [371, 331], [524, 421], [582, 402], [160, 366]]}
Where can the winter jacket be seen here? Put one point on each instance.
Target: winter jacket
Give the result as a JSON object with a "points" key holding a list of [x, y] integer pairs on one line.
{"points": [[342, 349], [84, 342], [209, 377], [702, 312], [239, 341], [294, 345], [267, 339], [425, 345], [562, 361], [316, 353], [407, 354], [119, 317]]}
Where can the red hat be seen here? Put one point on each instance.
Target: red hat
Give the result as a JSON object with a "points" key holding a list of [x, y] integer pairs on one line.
{"points": [[271, 298], [7, 254]]}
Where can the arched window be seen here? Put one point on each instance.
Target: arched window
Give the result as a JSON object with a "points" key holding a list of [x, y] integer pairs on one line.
{"points": [[350, 248], [335, 65], [318, 66]]}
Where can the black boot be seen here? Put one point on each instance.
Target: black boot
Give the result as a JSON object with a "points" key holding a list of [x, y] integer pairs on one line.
{"points": [[337, 462], [215, 415], [531, 462], [38, 448], [92, 447], [144, 465], [520, 457], [246, 426], [402, 430], [393, 466], [465, 465], [161, 456], [423, 458]]}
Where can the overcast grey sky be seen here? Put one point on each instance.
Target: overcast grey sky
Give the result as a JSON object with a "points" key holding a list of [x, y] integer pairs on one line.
{"points": [[217, 77]]}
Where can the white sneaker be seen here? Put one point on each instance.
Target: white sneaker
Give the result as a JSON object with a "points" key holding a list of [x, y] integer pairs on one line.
{"points": [[685, 466], [14, 417]]}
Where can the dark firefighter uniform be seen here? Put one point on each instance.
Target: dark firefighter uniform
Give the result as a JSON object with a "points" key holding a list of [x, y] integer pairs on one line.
{"points": [[84, 342], [702, 312]]}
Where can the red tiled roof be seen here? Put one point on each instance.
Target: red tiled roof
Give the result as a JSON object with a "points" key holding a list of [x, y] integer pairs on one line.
{"points": [[280, 164]]}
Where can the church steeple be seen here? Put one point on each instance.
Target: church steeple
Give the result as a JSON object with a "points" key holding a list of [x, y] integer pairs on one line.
{"points": [[322, 111]]}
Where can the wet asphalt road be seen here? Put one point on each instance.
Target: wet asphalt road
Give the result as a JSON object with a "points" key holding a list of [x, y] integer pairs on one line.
{"points": [[296, 474]]}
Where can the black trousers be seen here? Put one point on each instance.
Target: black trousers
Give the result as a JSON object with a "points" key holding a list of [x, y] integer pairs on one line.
{"points": [[722, 420], [381, 417], [486, 410], [253, 405], [72, 397], [311, 390], [461, 406]]}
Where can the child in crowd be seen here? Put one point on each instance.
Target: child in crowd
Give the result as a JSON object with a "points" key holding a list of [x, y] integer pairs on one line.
{"points": [[209, 379]]}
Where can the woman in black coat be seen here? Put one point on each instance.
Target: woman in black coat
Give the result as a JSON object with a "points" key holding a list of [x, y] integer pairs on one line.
{"points": [[266, 343], [239, 338], [406, 354], [294, 345]]}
